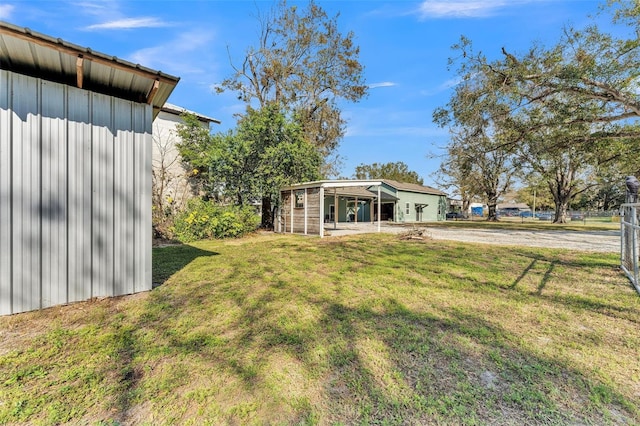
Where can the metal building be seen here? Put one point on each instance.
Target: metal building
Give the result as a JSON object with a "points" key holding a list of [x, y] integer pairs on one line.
{"points": [[75, 171]]}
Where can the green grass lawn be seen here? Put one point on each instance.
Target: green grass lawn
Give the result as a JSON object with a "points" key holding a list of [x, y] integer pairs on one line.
{"points": [[368, 329]]}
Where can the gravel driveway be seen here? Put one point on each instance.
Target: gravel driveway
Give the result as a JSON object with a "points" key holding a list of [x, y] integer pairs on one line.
{"points": [[600, 241]]}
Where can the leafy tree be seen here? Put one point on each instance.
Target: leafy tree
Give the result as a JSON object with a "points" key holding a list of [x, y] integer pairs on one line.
{"points": [[265, 152], [561, 107], [584, 67], [194, 147], [305, 64], [456, 174], [536, 195], [609, 175], [397, 171], [480, 152]]}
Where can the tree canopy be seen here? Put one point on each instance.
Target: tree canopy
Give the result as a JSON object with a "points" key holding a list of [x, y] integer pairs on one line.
{"points": [[397, 171], [251, 163], [560, 112], [305, 64]]}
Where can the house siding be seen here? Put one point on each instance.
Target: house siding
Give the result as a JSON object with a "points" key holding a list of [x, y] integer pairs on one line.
{"points": [[293, 219], [75, 194], [169, 172], [432, 212]]}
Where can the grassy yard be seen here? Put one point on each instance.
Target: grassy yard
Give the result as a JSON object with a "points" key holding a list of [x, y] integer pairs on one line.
{"points": [[368, 329]]}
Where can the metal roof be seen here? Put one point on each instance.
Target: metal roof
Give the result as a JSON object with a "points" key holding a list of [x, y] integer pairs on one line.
{"points": [[333, 184], [178, 110], [413, 187], [28, 52]]}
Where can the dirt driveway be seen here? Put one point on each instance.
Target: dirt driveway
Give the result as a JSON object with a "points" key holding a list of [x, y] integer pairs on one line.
{"points": [[600, 241]]}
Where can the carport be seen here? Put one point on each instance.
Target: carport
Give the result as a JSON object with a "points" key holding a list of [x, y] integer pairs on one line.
{"points": [[303, 211]]}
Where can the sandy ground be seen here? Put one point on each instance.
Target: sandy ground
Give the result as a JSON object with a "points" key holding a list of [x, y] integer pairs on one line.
{"points": [[600, 241]]}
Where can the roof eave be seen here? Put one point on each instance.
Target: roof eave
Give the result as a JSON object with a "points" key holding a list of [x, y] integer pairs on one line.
{"points": [[153, 87]]}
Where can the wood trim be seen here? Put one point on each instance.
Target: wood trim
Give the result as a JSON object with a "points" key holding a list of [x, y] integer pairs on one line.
{"points": [[79, 71], [154, 90]]}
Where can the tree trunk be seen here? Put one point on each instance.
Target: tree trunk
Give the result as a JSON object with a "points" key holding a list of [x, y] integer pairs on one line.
{"points": [[466, 203], [562, 191], [562, 206], [267, 215], [492, 202]]}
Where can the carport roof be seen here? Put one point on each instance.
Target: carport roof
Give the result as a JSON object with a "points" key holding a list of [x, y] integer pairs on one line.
{"points": [[41, 56], [361, 193], [340, 183]]}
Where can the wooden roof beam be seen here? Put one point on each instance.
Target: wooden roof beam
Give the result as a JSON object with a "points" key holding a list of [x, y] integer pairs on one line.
{"points": [[154, 90], [79, 71]]}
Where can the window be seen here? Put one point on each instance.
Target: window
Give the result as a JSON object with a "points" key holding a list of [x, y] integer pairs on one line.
{"points": [[407, 209], [299, 199]]}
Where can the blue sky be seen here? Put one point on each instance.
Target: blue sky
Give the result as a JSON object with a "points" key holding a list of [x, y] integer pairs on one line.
{"points": [[404, 49]]}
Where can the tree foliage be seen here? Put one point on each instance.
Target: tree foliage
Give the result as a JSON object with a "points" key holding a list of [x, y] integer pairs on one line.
{"points": [[305, 64], [251, 163], [203, 219], [564, 111], [480, 151], [397, 171]]}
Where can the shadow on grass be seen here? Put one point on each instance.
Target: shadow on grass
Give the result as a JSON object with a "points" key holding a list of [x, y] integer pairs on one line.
{"points": [[391, 364], [166, 261], [370, 357]]}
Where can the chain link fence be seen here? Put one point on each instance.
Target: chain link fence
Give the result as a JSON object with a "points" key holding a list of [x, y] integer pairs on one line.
{"points": [[629, 249], [573, 216]]}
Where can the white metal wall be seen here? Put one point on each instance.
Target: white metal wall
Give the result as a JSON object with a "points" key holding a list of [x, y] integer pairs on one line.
{"points": [[75, 194]]}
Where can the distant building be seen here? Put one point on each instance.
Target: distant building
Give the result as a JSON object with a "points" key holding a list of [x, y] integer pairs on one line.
{"points": [[512, 208], [306, 207], [170, 180]]}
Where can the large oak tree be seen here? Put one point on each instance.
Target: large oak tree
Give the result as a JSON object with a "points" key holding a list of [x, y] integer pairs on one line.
{"points": [[306, 65], [562, 106]]}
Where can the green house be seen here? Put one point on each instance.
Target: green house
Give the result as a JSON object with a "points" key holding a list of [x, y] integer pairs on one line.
{"points": [[308, 207], [409, 202]]}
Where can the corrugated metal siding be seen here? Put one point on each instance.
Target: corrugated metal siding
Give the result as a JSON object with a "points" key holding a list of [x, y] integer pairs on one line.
{"points": [[79, 187], [142, 203], [5, 194], [75, 194]]}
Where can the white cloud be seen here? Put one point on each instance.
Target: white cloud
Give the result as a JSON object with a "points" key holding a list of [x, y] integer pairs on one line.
{"points": [[461, 8], [5, 11], [96, 9], [129, 23], [448, 84], [176, 56], [382, 84]]}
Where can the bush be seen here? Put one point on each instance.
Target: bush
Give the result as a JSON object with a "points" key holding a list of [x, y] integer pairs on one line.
{"points": [[203, 219]]}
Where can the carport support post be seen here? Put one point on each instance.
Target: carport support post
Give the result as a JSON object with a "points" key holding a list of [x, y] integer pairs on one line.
{"points": [[371, 211], [335, 208], [305, 211], [379, 209], [292, 205], [356, 210], [321, 203], [279, 215]]}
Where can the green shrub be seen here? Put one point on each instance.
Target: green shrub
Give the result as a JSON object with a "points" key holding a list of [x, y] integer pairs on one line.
{"points": [[204, 219]]}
